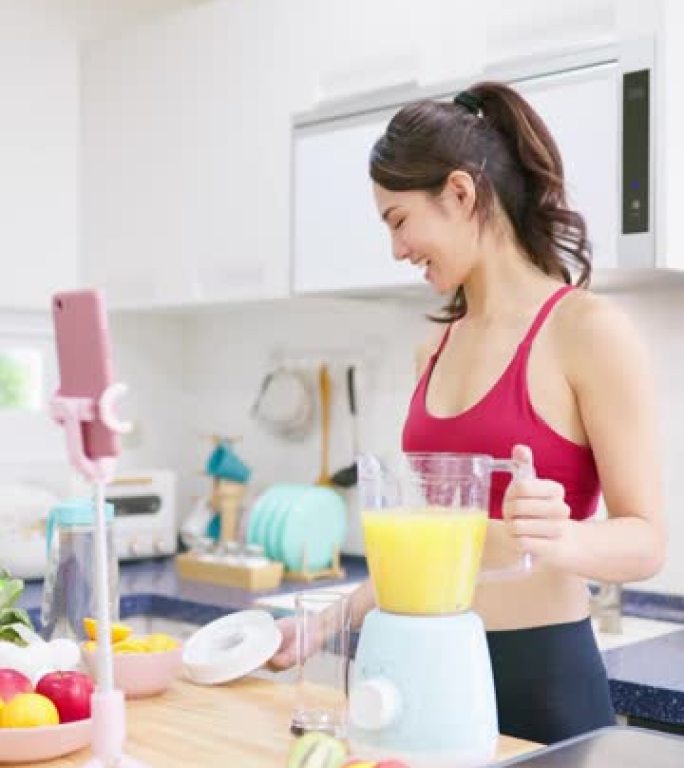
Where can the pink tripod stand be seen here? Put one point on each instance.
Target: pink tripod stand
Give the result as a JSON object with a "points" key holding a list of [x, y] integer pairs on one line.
{"points": [[108, 706]]}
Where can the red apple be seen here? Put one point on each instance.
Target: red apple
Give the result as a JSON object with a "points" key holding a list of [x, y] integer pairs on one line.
{"points": [[391, 764], [70, 692], [12, 683]]}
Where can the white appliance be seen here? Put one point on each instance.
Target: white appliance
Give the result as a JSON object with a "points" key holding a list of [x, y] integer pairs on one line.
{"points": [[145, 513], [144, 524], [600, 106], [24, 509]]}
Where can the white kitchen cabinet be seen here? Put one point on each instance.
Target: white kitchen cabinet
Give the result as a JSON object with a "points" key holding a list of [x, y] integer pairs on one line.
{"points": [[355, 47], [39, 147], [186, 158], [537, 28]]}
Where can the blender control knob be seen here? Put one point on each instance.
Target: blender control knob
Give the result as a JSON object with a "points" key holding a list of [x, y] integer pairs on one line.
{"points": [[374, 704]]}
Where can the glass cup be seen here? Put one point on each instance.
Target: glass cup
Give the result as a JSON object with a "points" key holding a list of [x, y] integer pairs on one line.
{"points": [[323, 622]]}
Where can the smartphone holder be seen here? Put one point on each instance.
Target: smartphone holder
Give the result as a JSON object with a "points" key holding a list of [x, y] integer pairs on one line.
{"points": [[107, 703]]}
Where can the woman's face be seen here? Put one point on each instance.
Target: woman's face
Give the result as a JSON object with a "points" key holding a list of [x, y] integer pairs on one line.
{"points": [[438, 234]]}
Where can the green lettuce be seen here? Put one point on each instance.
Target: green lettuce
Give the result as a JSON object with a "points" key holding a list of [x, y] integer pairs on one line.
{"points": [[10, 615]]}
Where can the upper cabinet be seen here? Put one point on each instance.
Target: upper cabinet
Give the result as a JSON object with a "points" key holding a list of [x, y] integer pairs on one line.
{"points": [[195, 189], [186, 158], [354, 48], [39, 157], [529, 29]]}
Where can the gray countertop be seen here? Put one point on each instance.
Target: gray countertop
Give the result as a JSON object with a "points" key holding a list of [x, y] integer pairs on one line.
{"points": [[646, 678]]}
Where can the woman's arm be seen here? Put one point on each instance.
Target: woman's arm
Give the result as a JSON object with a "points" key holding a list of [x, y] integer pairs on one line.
{"points": [[609, 371], [616, 395]]}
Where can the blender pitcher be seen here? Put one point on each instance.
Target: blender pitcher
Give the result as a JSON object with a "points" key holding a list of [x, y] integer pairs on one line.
{"points": [[425, 525], [69, 591]]}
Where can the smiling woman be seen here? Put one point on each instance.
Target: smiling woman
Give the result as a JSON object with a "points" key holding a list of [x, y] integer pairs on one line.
{"points": [[532, 367], [529, 367]]}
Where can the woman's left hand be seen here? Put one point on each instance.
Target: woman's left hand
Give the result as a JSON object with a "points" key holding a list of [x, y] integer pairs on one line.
{"points": [[538, 517]]}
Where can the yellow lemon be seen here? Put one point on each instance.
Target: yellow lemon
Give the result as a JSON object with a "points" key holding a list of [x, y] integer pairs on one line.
{"points": [[90, 646], [159, 642], [118, 631], [29, 710], [130, 645]]}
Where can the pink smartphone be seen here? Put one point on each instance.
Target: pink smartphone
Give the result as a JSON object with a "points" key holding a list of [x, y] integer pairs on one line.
{"points": [[85, 360]]}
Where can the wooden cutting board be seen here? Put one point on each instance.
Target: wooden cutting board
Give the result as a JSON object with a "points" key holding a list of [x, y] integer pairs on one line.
{"points": [[244, 724]]}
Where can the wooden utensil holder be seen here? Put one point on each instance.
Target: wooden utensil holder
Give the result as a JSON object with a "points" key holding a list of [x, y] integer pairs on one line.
{"points": [[190, 566], [225, 500]]}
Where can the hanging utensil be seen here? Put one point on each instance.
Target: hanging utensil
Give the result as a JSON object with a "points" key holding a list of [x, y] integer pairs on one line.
{"points": [[325, 392], [348, 476]]}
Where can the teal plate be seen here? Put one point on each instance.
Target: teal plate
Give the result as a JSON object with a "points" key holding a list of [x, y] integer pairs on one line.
{"points": [[287, 499], [317, 524], [254, 514]]}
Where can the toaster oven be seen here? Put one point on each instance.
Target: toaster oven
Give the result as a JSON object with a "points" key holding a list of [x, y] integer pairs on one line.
{"points": [[145, 518]]}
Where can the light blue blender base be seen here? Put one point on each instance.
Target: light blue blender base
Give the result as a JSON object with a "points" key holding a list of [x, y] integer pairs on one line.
{"points": [[439, 667]]}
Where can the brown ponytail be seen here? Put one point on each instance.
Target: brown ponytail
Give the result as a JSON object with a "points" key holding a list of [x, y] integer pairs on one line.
{"points": [[496, 136]]}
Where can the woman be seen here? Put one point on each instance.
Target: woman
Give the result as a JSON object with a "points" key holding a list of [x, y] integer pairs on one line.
{"points": [[524, 364]]}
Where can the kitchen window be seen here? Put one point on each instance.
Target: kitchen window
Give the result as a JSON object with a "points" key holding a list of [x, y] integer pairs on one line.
{"points": [[21, 378]]}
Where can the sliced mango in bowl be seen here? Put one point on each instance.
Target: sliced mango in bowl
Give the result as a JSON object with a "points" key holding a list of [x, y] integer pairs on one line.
{"points": [[118, 631], [154, 643], [159, 641]]}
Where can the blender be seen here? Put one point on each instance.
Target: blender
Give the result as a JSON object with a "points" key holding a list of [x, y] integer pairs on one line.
{"points": [[422, 689]]}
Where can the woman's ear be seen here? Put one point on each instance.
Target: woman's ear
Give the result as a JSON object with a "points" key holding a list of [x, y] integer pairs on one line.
{"points": [[460, 190]]}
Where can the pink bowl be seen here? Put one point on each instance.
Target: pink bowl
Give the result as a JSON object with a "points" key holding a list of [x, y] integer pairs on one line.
{"points": [[29, 745], [140, 674]]}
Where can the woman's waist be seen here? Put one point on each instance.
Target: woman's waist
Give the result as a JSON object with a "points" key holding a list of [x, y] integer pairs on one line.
{"points": [[542, 598]]}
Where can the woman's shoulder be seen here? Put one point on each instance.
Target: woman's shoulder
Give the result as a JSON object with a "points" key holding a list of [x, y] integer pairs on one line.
{"points": [[429, 345], [584, 315], [593, 329]]}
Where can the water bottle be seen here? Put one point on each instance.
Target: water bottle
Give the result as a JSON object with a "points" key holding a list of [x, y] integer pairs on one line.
{"points": [[69, 591]]}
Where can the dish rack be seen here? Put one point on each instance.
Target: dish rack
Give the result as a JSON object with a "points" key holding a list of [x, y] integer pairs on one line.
{"points": [[335, 571]]}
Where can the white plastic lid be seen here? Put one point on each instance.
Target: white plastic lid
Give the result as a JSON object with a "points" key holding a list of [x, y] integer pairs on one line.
{"points": [[231, 647]]}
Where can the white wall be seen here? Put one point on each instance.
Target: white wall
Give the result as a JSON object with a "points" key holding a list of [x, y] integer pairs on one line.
{"points": [[218, 359]]}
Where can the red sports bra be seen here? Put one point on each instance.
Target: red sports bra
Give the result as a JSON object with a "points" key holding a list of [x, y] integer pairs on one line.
{"points": [[503, 418]]}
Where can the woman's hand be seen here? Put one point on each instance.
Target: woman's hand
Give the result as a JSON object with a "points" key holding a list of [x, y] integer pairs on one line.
{"points": [[286, 655], [537, 516]]}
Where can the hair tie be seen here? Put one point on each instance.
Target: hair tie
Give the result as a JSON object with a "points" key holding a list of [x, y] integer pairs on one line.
{"points": [[470, 101]]}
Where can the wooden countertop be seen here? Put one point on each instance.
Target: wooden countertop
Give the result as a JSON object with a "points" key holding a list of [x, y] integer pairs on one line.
{"points": [[243, 724]]}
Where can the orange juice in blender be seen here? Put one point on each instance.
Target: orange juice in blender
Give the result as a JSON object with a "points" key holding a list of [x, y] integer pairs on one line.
{"points": [[424, 561]]}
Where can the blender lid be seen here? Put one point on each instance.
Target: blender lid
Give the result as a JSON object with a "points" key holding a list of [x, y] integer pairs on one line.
{"points": [[231, 647]]}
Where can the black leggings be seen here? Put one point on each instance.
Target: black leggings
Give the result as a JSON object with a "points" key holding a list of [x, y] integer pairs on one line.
{"points": [[550, 682]]}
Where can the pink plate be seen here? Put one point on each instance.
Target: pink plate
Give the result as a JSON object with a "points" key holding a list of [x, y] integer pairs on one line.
{"points": [[28, 745]]}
